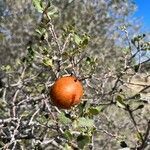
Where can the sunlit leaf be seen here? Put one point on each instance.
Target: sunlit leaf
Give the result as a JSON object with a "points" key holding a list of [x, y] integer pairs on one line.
{"points": [[67, 147], [37, 4], [77, 39], [85, 122], [120, 101], [52, 11], [139, 136], [47, 61]]}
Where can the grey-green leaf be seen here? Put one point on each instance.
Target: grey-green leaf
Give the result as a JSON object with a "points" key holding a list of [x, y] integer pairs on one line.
{"points": [[37, 4], [120, 101], [63, 119], [85, 122]]}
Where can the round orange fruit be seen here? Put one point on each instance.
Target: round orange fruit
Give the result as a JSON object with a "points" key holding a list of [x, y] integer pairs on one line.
{"points": [[66, 92]]}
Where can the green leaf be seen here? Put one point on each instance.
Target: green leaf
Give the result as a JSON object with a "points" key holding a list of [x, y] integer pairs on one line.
{"points": [[1, 144], [77, 39], [88, 60], [70, 1], [95, 110], [139, 136], [120, 101], [37, 5], [40, 31], [123, 144], [30, 55], [122, 28], [83, 140], [126, 49], [1, 36], [63, 119], [47, 62], [2, 105], [6, 68], [52, 11], [26, 113], [85, 122], [30, 50], [67, 147], [85, 41], [68, 135]]}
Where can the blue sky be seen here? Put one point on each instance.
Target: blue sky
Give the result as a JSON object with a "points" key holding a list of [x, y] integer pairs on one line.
{"points": [[143, 11]]}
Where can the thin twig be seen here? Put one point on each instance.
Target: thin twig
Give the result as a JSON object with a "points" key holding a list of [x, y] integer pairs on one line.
{"points": [[144, 142]]}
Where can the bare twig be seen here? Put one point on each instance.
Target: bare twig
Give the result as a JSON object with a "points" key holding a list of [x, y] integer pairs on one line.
{"points": [[144, 142], [14, 113], [135, 95], [134, 122]]}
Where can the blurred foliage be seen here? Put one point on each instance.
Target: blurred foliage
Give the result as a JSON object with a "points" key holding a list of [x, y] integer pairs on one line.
{"points": [[43, 40]]}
